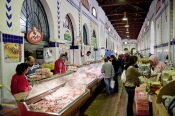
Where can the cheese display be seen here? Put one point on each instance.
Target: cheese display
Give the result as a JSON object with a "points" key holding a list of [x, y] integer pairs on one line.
{"points": [[49, 66]]}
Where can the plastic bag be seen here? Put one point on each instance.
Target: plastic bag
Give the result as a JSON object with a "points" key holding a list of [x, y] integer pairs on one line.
{"points": [[112, 83], [123, 77]]}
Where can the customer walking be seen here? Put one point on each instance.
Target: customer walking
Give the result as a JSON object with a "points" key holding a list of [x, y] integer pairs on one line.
{"points": [[108, 69], [115, 64], [131, 82]]}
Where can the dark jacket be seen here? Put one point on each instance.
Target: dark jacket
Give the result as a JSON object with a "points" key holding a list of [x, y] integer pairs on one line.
{"points": [[115, 65]]}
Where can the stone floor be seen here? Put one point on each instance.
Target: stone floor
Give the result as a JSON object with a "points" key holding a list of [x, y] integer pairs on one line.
{"points": [[101, 104]]}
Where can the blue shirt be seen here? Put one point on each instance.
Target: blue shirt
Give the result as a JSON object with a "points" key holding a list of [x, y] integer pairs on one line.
{"points": [[33, 69]]}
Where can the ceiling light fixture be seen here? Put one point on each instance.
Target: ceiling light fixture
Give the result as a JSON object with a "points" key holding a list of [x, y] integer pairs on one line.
{"points": [[128, 36], [125, 18], [127, 24], [127, 32]]}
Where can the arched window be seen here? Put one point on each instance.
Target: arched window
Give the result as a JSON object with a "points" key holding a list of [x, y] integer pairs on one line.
{"points": [[126, 49], [33, 14], [85, 39], [94, 34], [94, 12], [85, 4], [68, 25]]}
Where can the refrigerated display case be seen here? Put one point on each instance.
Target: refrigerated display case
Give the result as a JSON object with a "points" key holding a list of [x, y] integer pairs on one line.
{"points": [[8, 104], [52, 97]]}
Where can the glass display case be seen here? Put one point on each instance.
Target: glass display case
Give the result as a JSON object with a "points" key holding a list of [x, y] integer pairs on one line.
{"points": [[52, 97], [8, 104]]}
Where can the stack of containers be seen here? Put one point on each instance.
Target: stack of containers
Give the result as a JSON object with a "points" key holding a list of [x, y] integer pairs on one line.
{"points": [[141, 100]]}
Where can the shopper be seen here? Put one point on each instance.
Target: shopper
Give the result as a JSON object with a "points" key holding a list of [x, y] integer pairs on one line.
{"points": [[19, 82], [121, 64], [115, 64], [158, 66], [33, 66], [131, 82], [60, 65], [108, 69]]}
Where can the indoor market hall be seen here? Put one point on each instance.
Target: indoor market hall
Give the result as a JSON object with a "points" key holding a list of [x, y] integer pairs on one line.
{"points": [[87, 58]]}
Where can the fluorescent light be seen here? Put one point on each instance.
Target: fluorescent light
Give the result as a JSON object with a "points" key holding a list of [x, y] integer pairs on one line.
{"points": [[128, 36], [127, 32]]}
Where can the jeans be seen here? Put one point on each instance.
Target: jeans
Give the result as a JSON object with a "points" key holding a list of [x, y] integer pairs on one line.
{"points": [[116, 83], [130, 91], [107, 83]]}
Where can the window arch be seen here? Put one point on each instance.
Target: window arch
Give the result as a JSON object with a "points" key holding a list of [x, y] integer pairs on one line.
{"points": [[94, 34], [85, 38], [85, 4], [34, 15], [94, 12], [68, 25]]}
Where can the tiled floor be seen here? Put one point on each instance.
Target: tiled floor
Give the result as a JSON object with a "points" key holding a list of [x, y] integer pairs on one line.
{"points": [[106, 105]]}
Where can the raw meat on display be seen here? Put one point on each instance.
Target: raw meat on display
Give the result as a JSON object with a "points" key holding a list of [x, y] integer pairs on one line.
{"points": [[58, 100]]}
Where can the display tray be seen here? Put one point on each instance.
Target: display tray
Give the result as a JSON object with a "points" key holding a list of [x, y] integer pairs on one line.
{"points": [[66, 111], [52, 77]]}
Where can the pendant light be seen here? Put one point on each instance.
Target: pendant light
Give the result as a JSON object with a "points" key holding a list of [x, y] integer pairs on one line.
{"points": [[127, 24], [125, 18]]}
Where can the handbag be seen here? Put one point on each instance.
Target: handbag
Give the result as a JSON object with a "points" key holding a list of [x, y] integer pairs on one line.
{"points": [[112, 83], [123, 77]]}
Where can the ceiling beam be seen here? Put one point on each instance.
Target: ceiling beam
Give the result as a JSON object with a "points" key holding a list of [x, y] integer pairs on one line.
{"points": [[124, 23], [123, 2], [120, 19], [134, 12]]}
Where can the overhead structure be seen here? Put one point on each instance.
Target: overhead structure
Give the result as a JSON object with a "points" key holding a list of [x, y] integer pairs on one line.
{"points": [[120, 12]]}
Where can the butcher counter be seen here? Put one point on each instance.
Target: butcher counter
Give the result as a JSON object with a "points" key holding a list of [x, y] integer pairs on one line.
{"points": [[60, 95]]}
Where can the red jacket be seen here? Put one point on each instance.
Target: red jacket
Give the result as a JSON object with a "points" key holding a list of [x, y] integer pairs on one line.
{"points": [[19, 84], [59, 65]]}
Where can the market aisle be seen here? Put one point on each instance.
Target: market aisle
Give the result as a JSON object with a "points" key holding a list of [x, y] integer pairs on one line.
{"points": [[103, 105]]}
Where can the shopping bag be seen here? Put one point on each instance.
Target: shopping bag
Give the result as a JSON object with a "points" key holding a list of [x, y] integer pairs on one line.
{"points": [[112, 83], [123, 77]]}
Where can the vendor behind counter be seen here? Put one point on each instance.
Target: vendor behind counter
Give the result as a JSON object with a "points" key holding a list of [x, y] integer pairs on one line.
{"points": [[33, 66]]}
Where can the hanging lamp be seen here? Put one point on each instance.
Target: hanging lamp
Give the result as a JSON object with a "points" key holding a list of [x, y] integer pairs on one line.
{"points": [[125, 18], [127, 24]]}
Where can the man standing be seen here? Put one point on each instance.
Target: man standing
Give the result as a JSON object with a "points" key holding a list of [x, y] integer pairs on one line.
{"points": [[33, 66], [108, 69], [60, 65], [116, 67], [88, 57]]}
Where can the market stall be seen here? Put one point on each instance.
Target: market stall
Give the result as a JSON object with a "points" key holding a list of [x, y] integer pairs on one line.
{"points": [[61, 94]]}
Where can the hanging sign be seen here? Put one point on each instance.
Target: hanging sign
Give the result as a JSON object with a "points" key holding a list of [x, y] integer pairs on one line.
{"points": [[94, 42], [67, 36], [34, 36]]}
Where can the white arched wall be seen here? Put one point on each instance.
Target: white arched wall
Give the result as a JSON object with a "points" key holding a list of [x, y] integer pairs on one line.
{"points": [[102, 35], [152, 38], [52, 28]]}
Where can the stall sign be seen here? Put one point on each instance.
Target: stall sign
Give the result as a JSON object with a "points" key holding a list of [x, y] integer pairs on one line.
{"points": [[62, 48], [94, 42], [34, 36], [67, 36], [12, 52]]}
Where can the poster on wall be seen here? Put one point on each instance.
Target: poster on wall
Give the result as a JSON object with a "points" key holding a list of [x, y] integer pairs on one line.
{"points": [[62, 48], [67, 36], [12, 52], [94, 42]]}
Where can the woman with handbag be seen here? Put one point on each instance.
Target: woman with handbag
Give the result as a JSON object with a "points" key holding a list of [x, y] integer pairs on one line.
{"points": [[131, 82]]}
